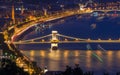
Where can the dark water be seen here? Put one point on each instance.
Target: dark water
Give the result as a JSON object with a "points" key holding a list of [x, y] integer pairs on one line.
{"points": [[68, 54], [57, 60], [83, 27]]}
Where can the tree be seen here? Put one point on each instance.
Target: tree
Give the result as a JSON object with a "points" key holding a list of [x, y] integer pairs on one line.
{"points": [[8, 67]]}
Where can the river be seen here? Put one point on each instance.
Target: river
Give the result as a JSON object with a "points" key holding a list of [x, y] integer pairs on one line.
{"points": [[80, 26]]}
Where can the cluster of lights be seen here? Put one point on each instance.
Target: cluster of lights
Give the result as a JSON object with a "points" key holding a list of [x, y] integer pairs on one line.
{"points": [[7, 56], [21, 9]]}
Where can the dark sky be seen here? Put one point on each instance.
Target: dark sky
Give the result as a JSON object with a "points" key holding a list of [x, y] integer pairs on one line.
{"points": [[52, 1]]}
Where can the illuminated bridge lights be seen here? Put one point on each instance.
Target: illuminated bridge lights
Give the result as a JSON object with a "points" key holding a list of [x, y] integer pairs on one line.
{"points": [[54, 41], [43, 40], [66, 40], [76, 39], [99, 39]]}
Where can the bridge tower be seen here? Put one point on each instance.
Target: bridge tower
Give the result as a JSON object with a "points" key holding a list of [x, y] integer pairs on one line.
{"points": [[22, 9], [54, 40], [13, 14], [45, 11]]}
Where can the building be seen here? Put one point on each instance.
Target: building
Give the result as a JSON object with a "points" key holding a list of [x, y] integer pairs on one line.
{"points": [[1, 53]]}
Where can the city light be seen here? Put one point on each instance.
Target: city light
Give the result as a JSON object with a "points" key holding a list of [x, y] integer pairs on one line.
{"points": [[73, 31]]}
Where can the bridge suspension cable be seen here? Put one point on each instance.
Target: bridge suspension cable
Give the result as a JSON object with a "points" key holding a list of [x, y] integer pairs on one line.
{"points": [[71, 37], [53, 38], [37, 38], [32, 42]]}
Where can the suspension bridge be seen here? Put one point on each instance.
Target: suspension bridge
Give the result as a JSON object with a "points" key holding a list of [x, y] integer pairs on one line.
{"points": [[55, 38]]}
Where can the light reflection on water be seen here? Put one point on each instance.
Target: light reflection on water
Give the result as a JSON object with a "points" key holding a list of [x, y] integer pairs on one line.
{"points": [[57, 60]]}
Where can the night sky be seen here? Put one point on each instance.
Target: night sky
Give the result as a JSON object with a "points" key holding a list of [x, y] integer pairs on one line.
{"points": [[52, 1]]}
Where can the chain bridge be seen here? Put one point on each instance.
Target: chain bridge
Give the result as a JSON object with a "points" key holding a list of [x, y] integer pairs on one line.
{"points": [[55, 38]]}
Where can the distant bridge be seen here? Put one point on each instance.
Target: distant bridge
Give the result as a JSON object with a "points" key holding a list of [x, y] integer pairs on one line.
{"points": [[105, 10]]}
